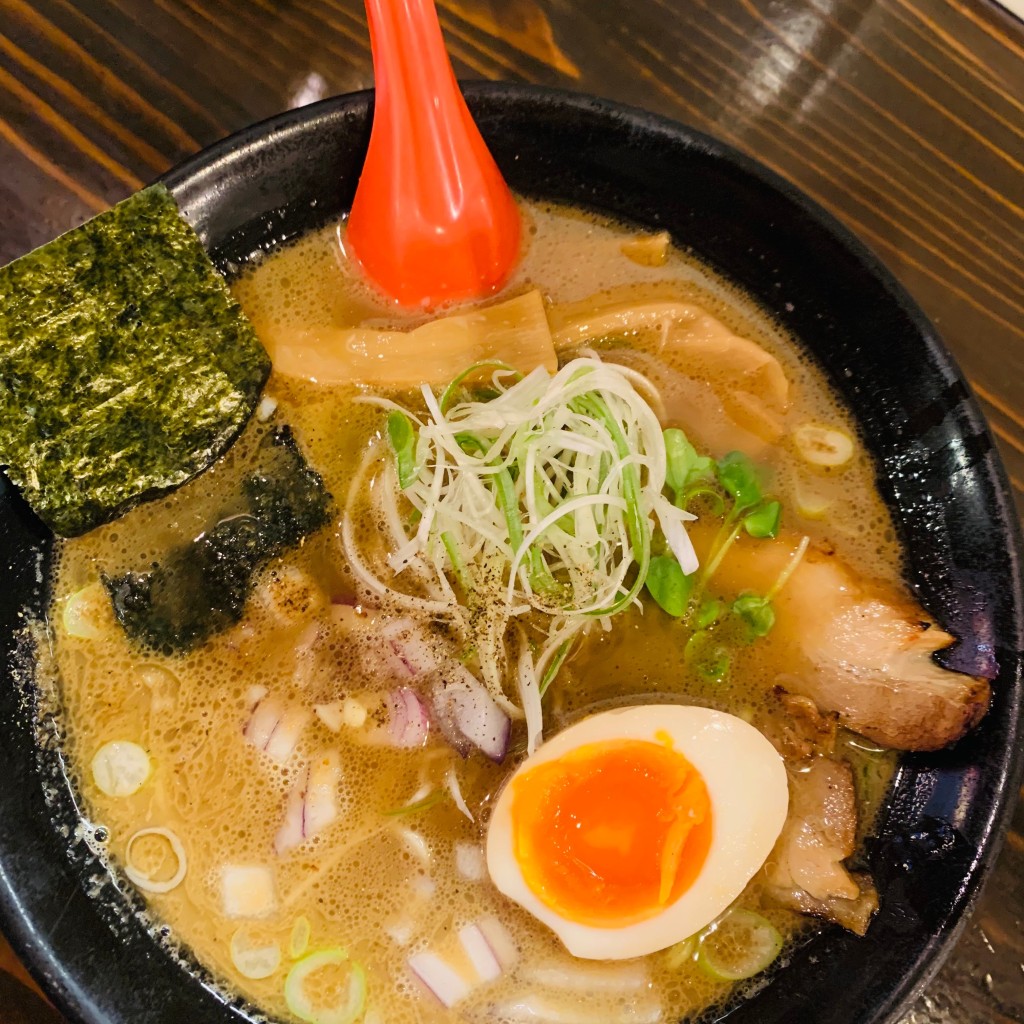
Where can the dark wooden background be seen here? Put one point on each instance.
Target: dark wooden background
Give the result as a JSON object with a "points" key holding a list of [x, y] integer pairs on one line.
{"points": [[905, 118]]}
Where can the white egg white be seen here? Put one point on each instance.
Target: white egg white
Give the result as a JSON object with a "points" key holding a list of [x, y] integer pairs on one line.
{"points": [[749, 794]]}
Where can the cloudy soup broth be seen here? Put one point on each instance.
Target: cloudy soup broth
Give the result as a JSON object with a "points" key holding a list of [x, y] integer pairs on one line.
{"points": [[309, 812]]}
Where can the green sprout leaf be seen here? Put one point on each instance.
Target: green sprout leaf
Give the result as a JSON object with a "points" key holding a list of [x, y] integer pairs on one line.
{"points": [[709, 613], [667, 584], [709, 494], [756, 612], [763, 522], [402, 438], [709, 659], [683, 466], [715, 667], [738, 475]]}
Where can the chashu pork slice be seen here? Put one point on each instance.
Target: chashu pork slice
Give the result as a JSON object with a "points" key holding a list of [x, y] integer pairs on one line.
{"points": [[857, 648], [805, 871], [869, 659]]}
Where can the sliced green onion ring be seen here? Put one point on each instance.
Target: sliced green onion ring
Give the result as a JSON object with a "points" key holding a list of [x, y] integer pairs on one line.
{"points": [[681, 953], [299, 1002], [738, 946], [299, 941], [823, 446], [83, 611], [143, 880], [255, 962]]}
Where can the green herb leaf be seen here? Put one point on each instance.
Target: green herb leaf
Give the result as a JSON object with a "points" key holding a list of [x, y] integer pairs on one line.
{"points": [[756, 612], [763, 522], [126, 367], [667, 584], [402, 438], [738, 475]]}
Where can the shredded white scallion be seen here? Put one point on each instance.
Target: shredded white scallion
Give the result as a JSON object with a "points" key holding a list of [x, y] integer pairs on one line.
{"points": [[451, 781], [543, 497]]}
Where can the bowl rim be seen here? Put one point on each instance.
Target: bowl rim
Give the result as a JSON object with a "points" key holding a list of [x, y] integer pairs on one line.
{"points": [[71, 991]]}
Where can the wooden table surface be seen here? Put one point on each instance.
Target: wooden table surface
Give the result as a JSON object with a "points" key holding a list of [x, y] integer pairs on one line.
{"points": [[905, 118]]}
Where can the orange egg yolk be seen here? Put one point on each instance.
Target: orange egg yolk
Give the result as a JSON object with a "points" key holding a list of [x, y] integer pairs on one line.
{"points": [[612, 832]]}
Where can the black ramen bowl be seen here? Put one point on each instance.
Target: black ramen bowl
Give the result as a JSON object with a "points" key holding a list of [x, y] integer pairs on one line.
{"points": [[937, 470]]}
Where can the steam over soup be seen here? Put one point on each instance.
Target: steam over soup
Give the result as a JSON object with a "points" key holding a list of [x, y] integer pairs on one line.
{"points": [[541, 661]]}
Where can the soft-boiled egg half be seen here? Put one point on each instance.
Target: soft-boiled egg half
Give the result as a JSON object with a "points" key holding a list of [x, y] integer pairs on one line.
{"points": [[635, 828]]}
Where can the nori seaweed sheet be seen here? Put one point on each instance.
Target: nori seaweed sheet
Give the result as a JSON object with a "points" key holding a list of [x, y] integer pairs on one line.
{"points": [[126, 367], [201, 588]]}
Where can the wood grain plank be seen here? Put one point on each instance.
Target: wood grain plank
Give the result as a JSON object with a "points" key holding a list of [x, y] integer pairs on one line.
{"points": [[905, 118], [99, 77]]}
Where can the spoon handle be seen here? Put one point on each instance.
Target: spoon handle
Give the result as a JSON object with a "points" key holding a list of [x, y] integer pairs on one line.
{"points": [[432, 220]]}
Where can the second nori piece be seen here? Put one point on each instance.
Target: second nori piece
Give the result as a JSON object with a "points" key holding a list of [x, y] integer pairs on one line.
{"points": [[201, 588], [126, 366]]}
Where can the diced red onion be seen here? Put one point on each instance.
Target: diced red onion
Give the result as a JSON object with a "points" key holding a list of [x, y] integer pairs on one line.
{"points": [[442, 980], [407, 722], [247, 890], [253, 696], [263, 719], [479, 952], [424, 886], [468, 715], [292, 831], [312, 803], [469, 861], [274, 728], [410, 722], [412, 652], [285, 738], [400, 932], [416, 844], [501, 942]]}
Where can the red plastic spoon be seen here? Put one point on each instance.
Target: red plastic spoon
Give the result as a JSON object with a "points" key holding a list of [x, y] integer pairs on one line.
{"points": [[433, 220]]}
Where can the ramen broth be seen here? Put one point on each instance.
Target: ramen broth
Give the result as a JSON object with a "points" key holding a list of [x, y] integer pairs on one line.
{"points": [[381, 881]]}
